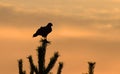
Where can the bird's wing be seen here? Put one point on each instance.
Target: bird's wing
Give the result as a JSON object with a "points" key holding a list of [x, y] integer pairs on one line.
{"points": [[39, 30], [42, 29]]}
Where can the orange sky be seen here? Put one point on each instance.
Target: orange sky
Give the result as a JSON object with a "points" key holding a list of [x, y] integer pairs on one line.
{"points": [[84, 30]]}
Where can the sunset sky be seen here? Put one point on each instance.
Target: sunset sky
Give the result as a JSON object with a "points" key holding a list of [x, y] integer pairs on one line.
{"points": [[83, 30]]}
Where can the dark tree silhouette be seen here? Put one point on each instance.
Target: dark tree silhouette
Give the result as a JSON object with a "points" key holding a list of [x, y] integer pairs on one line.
{"points": [[41, 51], [20, 65], [60, 67], [44, 31], [91, 67]]}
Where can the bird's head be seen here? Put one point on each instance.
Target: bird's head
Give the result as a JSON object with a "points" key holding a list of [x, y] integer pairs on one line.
{"points": [[50, 24]]}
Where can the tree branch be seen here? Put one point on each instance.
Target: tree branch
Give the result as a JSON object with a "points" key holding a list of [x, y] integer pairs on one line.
{"points": [[20, 65], [33, 68]]}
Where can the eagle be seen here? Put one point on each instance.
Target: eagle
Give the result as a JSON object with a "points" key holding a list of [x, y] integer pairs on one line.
{"points": [[43, 31]]}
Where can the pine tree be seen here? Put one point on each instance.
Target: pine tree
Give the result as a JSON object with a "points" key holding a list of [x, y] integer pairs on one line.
{"points": [[91, 67], [41, 69]]}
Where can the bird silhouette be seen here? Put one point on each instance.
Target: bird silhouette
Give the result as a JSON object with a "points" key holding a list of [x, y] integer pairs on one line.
{"points": [[43, 31]]}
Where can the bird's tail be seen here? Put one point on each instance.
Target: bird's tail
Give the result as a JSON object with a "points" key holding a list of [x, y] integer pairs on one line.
{"points": [[34, 35]]}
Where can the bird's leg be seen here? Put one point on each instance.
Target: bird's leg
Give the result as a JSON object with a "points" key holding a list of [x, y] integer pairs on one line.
{"points": [[45, 38]]}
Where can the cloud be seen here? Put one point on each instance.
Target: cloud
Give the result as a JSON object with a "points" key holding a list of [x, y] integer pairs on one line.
{"points": [[90, 22], [11, 15]]}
